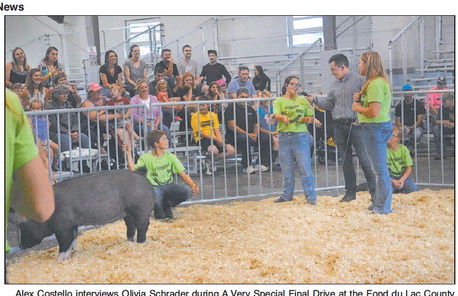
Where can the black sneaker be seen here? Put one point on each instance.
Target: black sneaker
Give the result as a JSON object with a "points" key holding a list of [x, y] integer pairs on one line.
{"points": [[348, 197], [281, 200], [168, 213]]}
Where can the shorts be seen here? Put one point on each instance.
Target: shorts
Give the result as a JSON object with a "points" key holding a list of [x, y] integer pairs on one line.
{"points": [[205, 143]]}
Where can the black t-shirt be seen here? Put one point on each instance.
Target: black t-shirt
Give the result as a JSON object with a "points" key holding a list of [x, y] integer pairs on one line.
{"points": [[447, 114], [241, 116], [111, 79], [409, 112], [184, 91], [215, 72], [162, 65]]}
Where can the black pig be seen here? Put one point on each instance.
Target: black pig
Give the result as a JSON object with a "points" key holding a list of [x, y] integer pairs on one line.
{"points": [[93, 199]]}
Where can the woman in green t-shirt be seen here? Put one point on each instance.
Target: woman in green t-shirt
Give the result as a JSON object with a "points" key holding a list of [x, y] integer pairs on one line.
{"points": [[293, 114], [373, 107], [161, 165]]}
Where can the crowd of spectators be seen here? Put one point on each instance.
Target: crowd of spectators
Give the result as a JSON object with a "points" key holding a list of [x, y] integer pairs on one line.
{"points": [[240, 125]]}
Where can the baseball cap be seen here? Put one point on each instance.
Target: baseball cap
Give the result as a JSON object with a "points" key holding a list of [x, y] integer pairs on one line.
{"points": [[442, 80], [94, 87], [407, 87], [221, 82]]}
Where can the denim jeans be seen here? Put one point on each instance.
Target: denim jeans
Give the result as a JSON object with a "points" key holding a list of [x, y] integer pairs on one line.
{"points": [[438, 137], [244, 147], [375, 136], [169, 196], [347, 135], [295, 148], [66, 142], [409, 186]]}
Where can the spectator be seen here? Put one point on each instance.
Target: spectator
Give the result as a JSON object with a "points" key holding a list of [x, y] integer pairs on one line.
{"points": [[134, 69], [16, 70], [213, 95], [242, 124], [40, 125], [19, 89], [241, 82], [445, 125], [122, 126], [64, 126], [433, 101], [186, 64], [159, 74], [93, 122], [161, 166], [148, 118], [207, 135], [171, 71], [34, 88], [187, 92], [73, 97], [400, 164], [33, 195], [267, 124], [213, 71], [222, 87], [409, 117], [49, 66], [293, 114], [110, 73], [260, 81]]}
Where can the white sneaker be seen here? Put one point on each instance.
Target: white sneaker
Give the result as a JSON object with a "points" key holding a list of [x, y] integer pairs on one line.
{"points": [[208, 167], [262, 168], [249, 170]]}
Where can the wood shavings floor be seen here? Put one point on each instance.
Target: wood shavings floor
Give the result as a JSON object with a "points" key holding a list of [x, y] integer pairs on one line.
{"points": [[263, 242]]}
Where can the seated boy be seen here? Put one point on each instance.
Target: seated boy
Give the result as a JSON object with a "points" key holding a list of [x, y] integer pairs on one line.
{"points": [[205, 125], [400, 164]]}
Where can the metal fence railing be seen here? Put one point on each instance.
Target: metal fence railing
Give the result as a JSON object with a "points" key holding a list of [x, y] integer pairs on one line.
{"points": [[228, 181], [419, 42]]}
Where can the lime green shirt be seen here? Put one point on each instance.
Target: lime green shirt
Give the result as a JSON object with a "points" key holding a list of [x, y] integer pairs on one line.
{"points": [[377, 91], [160, 170], [19, 145], [398, 161], [294, 109]]}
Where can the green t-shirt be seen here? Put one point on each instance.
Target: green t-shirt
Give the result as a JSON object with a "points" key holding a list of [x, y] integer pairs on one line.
{"points": [[294, 109], [19, 145], [398, 161], [377, 91], [160, 170]]}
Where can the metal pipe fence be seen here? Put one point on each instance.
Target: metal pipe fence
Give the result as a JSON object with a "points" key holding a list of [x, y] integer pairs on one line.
{"points": [[220, 174]]}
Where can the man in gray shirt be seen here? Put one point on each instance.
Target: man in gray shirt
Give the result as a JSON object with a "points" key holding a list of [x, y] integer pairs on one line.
{"points": [[186, 64], [339, 100]]}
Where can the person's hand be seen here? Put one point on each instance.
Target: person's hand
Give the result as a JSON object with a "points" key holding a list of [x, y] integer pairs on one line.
{"points": [[282, 118], [195, 189], [407, 130], [355, 106], [318, 123], [401, 183], [171, 60], [311, 99], [74, 137], [218, 141], [126, 148], [274, 133], [253, 137], [356, 97]]}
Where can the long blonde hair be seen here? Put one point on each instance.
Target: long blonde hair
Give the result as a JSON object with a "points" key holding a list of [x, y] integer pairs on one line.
{"points": [[374, 68]]}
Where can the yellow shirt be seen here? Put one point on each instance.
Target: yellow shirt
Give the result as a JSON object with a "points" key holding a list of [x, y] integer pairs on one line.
{"points": [[205, 124]]}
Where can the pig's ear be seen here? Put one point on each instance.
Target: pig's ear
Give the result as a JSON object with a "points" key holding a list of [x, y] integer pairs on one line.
{"points": [[15, 218]]}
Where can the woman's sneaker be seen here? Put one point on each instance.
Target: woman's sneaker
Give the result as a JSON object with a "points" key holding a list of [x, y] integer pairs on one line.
{"points": [[262, 168], [249, 170]]}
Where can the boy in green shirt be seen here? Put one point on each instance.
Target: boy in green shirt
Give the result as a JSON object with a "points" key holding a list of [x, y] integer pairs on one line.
{"points": [[161, 165], [400, 164]]}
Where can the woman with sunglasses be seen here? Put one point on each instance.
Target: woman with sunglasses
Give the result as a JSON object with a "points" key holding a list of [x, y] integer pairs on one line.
{"points": [[293, 113], [373, 106]]}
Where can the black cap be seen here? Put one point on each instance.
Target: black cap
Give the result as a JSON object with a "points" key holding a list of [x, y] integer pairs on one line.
{"points": [[442, 80]]}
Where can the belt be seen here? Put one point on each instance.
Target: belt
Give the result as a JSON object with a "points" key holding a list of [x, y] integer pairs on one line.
{"points": [[343, 121]]}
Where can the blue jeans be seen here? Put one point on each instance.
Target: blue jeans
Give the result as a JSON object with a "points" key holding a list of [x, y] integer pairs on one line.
{"points": [[438, 138], [347, 135], [295, 148], [66, 141], [409, 186], [375, 136], [167, 197]]}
